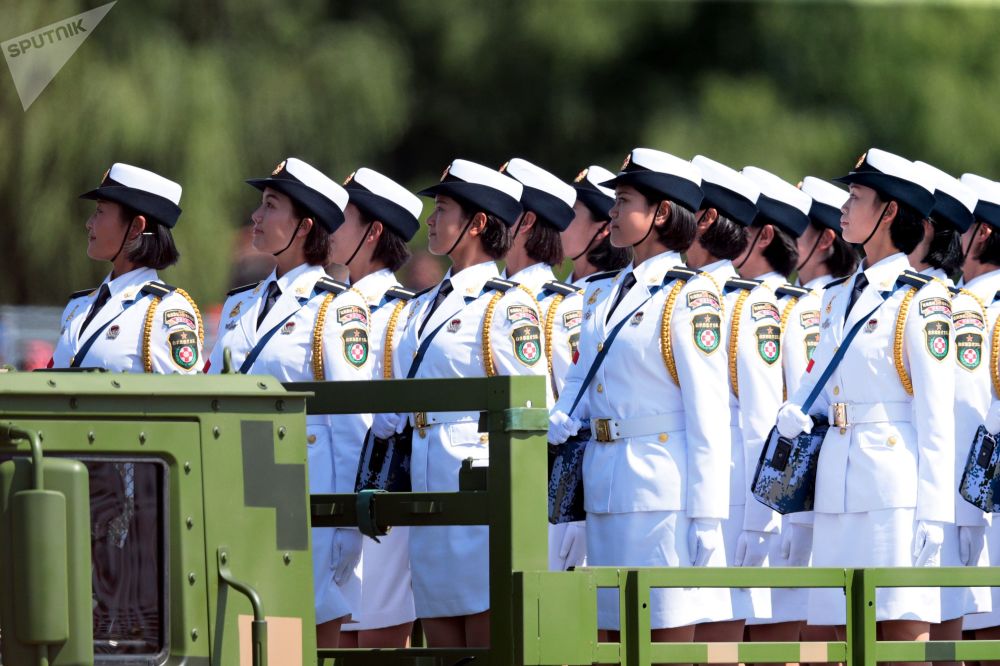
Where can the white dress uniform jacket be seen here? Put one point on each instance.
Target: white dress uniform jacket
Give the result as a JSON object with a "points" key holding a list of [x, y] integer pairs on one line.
{"points": [[386, 595], [174, 325], [449, 565], [892, 464], [334, 441]]}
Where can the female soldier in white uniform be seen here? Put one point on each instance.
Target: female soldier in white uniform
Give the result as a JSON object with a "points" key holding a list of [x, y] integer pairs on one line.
{"points": [[381, 216], [536, 247], [132, 322], [885, 483], [299, 325], [980, 385], [586, 241], [656, 471], [723, 235], [471, 325]]}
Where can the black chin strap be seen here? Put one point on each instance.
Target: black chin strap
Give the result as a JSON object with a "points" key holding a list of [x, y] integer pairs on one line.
{"points": [[591, 243], [877, 224], [750, 249], [811, 252], [652, 223], [364, 237], [290, 240], [124, 239], [460, 236], [972, 239]]}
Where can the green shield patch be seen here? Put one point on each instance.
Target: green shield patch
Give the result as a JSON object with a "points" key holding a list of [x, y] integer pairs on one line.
{"points": [[936, 334], [183, 348], [969, 350], [356, 346], [706, 329], [527, 343], [769, 343]]}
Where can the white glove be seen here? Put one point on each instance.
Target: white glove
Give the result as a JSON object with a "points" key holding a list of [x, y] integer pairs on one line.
{"points": [[993, 418], [971, 541], [927, 543], [752, 548], [346, 553], [796, 544], [386, 425], [792, 422], [562, 426], [704, 538], [573, 548]]}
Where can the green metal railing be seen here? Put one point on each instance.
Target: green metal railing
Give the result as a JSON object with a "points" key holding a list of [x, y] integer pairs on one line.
{"points": [[540, 617]]}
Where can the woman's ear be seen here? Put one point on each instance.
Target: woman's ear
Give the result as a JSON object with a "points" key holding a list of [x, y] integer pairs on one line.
{"points": [[891, 210], [826, 240], [138, 227], [478, 224], [766, 236], [663, 213], [707, 219], [305, 227], [375, 231]]}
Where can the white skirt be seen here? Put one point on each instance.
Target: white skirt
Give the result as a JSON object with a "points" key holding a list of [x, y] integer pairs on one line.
{"points": [[959, 601], [990, 557], [881, 538], [650, 539], [745, 603], [386, 595], [787, 604]]}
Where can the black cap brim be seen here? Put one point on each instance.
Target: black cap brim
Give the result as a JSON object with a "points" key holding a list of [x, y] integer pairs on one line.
{"points": [[729, 204], [988, 213], [156, 208], [891, 187], [825, 216], [787, 217], [674, 188], [598, 203], [327, 213], [551, 210], [388, 213], [950, 210], [482, 197]]}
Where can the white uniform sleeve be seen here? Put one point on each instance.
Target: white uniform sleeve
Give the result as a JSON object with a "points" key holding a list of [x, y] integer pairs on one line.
{"points": [[516, 336], [175, 337]]}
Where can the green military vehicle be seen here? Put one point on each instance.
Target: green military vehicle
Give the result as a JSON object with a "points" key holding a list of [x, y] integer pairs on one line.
{"points": [[165, 520]]}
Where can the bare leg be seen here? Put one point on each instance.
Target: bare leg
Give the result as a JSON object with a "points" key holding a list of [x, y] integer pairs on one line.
{"points": [[905, 630], [990, 634], [397, 636], [730, 631], [444, 631], [784, 632], [949, 630], [819, 633], [477, 629], [328, 633]]}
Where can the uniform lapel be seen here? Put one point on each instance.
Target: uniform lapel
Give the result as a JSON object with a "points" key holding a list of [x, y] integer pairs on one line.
{"points": [[111, 309], [636, 295], [870, 298], [454, 301], [287, 303]]}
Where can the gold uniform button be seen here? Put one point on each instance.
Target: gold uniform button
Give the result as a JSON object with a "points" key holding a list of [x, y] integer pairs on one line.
{"points": [[600, 346], [836, 390], [843, 431], [600, 388], [484, 439], [893, 440], [311, 439], [664, 437]]}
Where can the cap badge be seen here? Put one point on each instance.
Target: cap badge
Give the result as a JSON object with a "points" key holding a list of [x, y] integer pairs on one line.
{"points": [[278, 169], [350, 178], [799, 186], [861, 160], [580, 176], [447, 170], [105, 176], [503, 167], [628, 160]]}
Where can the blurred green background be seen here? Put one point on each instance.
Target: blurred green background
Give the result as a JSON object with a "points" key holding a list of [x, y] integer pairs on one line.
{"points": [[210, 93]]}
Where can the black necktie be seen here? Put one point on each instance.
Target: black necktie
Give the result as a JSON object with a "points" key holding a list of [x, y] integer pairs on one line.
{"points": [[103, 295], [442, 294], [627, 283], [859, 286], [273, 292]]}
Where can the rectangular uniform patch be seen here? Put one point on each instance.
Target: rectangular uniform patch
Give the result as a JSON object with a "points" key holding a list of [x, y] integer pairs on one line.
{"points": [[572, 318], [522, 313], [968, 318], [350, 313], [809, 319], [178, 318], [697, 299], [765, 311], [936, 305]]}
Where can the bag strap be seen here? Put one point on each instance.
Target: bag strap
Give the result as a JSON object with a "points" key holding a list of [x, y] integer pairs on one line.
{"points": [[82, 354], [426, 342]]}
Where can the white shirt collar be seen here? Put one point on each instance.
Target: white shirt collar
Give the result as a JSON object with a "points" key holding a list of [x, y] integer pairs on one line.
{"points": [[127, 283]]}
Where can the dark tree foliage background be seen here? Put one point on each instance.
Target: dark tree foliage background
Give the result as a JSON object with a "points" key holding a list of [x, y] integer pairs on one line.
{"points": [[213, 92]]}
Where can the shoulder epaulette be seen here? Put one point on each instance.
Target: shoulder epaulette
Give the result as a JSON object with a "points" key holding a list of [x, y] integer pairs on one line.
{"points": [[557, 287], [239, 290], [791, 290], [330, 285], [158, 289], [913, 279], [679, 273], [601, 275], [400, 293], [499, 284], [740, 283], [955, 291], [834, 283], [82, 292], [996, 297]]}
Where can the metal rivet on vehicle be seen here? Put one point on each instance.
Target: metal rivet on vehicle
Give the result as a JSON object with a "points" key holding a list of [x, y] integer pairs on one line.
{"points": [[281, 432], [215, 405], [116, 383], [262, 385], [192, 578], [51, 383], [91, 437], [142, 438], [187, 467], [287, 558], [73, 403], [224, 558], [216, 432], [194, 634], [279, 405], [189, 522]]}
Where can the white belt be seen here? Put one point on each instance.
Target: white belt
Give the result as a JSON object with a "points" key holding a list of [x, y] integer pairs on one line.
{"points": [[609, 430], [843, 414]]}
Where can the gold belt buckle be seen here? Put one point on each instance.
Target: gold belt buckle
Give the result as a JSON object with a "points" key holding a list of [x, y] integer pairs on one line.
{"points": [[840, 414], [602, 430], [420, 419]]}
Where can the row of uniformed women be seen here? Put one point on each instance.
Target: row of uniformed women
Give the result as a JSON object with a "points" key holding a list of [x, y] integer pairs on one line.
{"points": [[665, 484]]}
